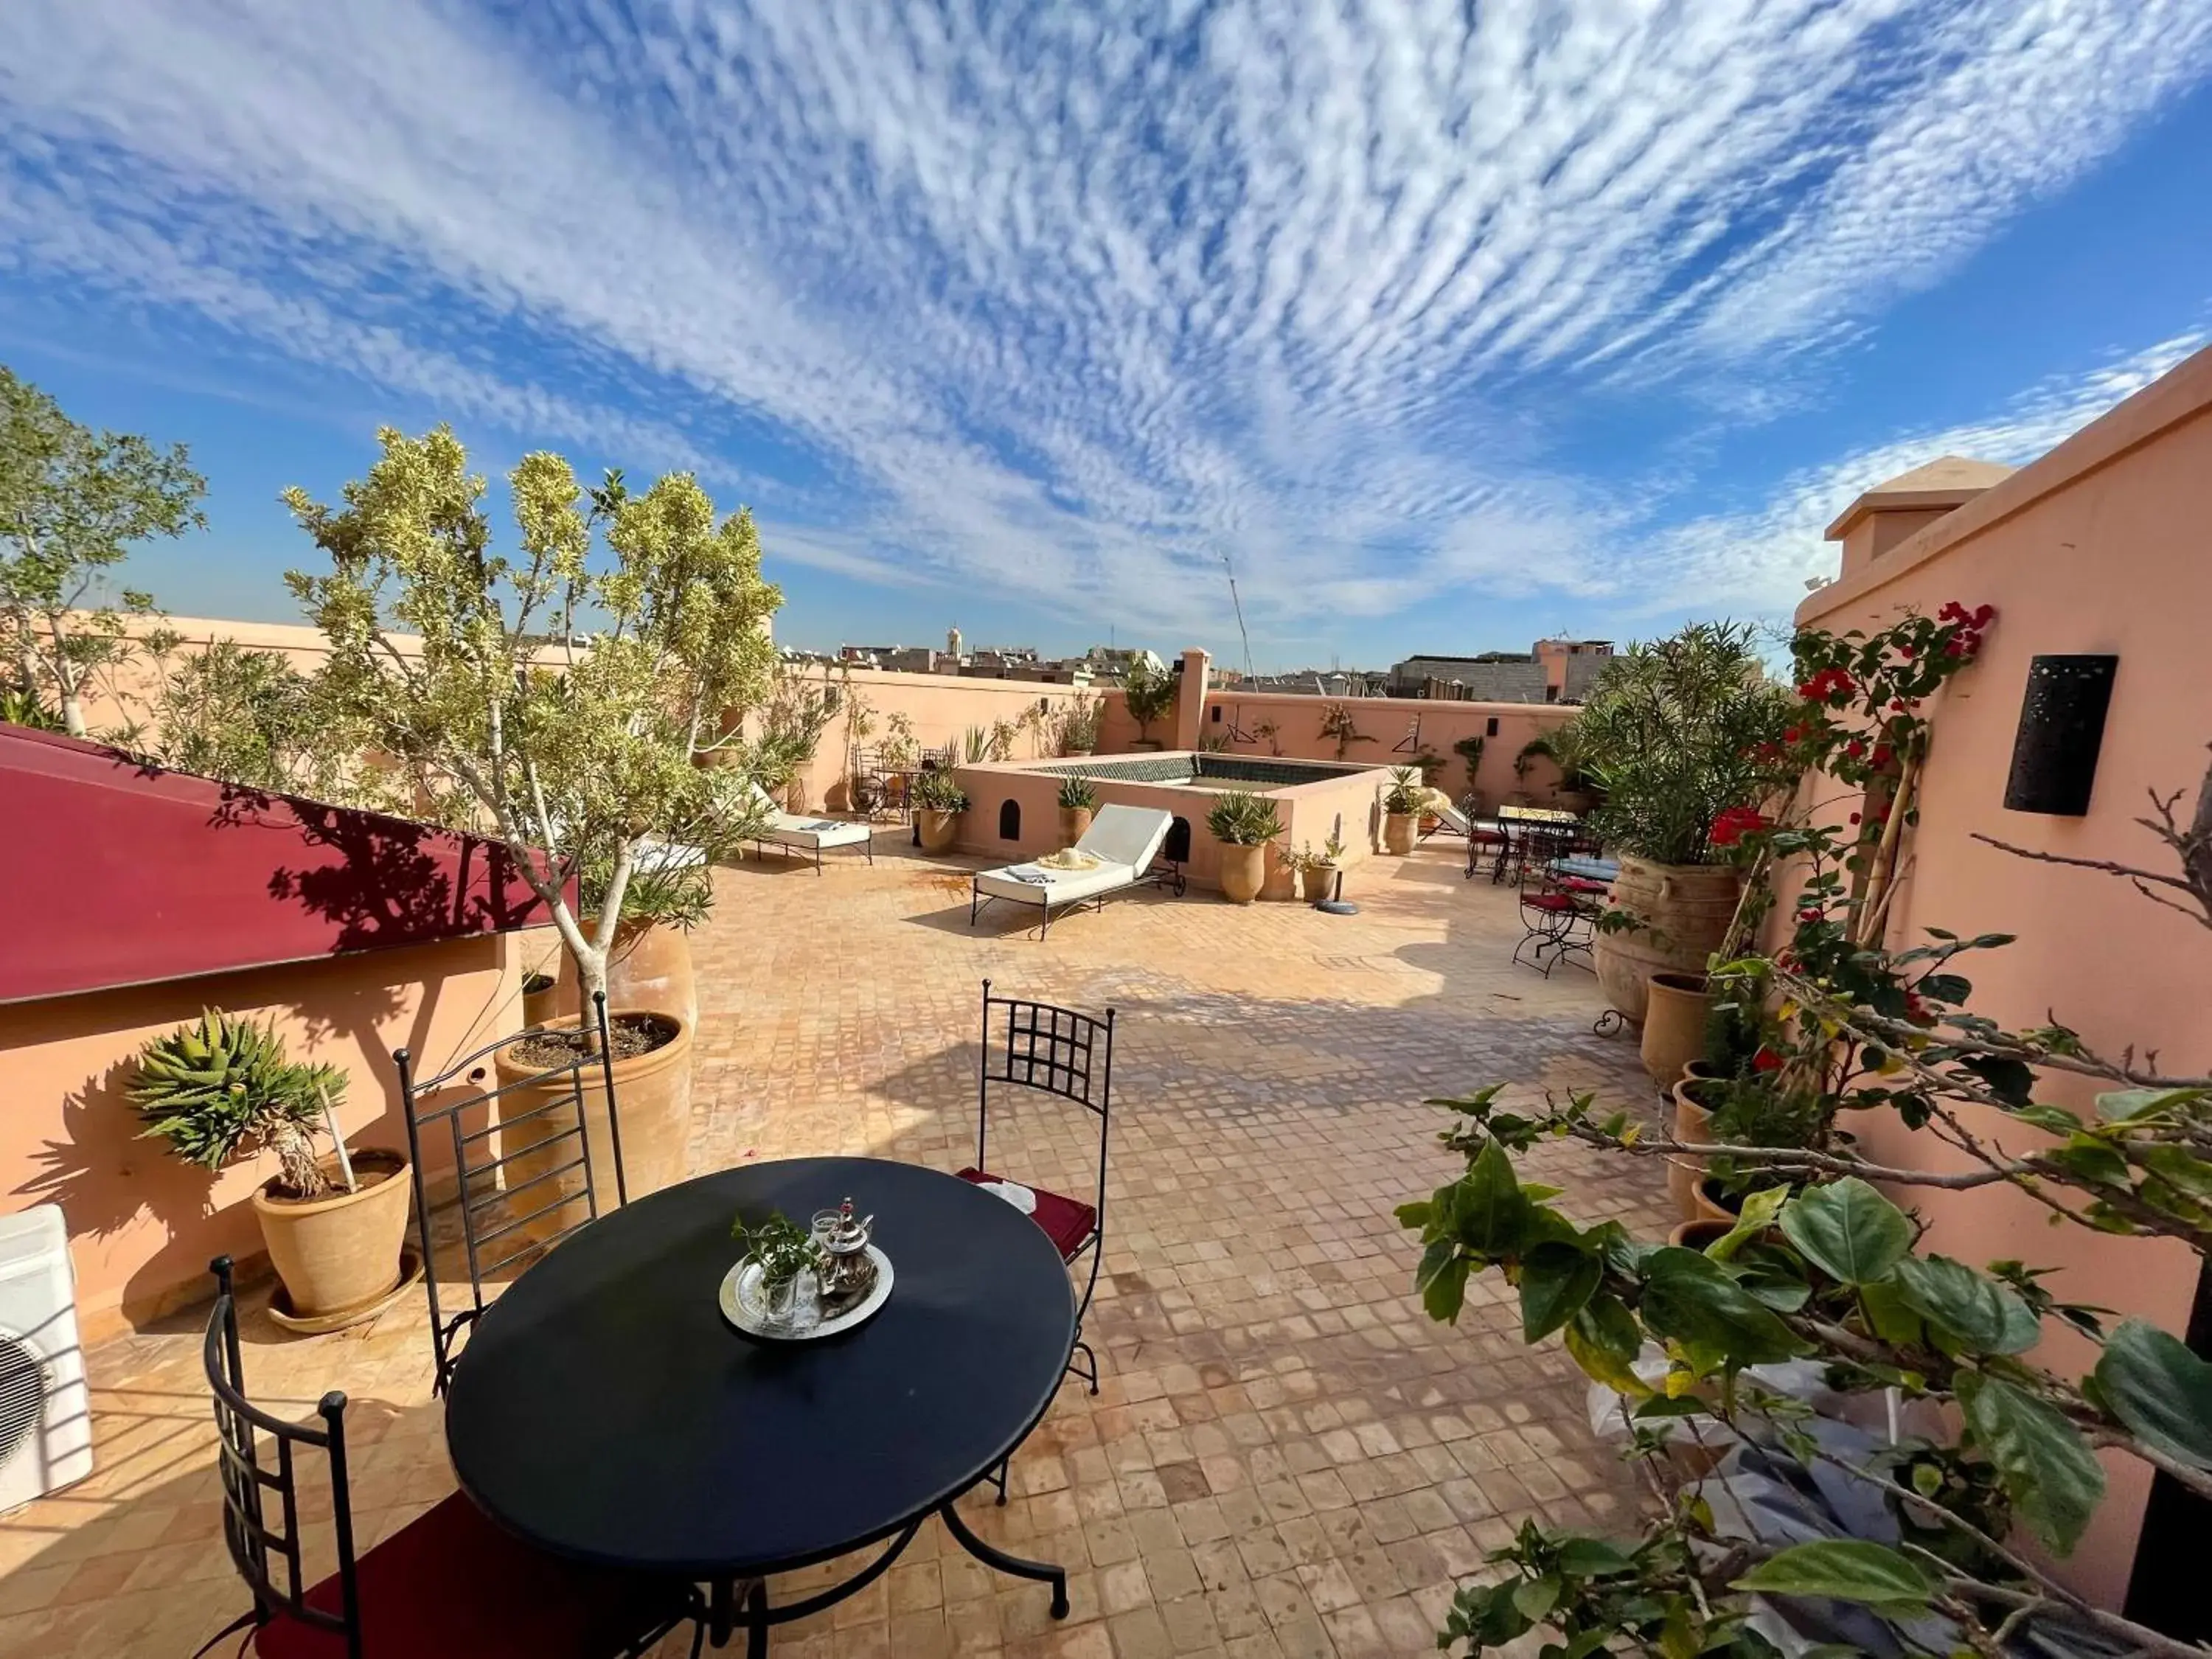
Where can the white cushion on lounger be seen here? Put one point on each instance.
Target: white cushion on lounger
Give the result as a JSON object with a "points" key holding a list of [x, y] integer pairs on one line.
{"points": [[1060, 886], [1127, 835], [792, 830]]}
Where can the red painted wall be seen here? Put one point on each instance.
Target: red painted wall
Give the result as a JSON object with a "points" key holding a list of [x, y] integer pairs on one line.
{"points": [[118, 874]]}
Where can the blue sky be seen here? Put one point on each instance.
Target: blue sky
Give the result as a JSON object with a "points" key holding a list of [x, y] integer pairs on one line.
{"points": [[1450, 325]]}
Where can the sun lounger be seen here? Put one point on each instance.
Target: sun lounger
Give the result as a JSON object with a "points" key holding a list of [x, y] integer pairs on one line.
{"points": [[790, 830], [1124, 840]]}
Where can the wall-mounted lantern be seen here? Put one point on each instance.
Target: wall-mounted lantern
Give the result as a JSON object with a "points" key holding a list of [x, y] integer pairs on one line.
{"points": [[2062, 728]]}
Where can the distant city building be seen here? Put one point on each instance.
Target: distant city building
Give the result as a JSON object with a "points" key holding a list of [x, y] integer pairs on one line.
{"points": [[1319, 683], [1552, 670], [1113, 661]]}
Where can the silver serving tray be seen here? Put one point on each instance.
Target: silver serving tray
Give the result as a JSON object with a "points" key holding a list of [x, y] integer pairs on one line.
{"points": [[738, 1300]]}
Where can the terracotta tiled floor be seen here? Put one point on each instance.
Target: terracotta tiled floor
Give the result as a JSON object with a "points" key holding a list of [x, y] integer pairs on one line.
{"points": [[1285, 1457]]}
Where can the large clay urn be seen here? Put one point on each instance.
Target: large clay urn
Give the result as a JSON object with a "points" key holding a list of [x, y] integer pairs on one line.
{"points": [[1683, 910], [653, 1092], [649, 966], [1675, 1023], [1398, 832], [937, 828], [1244, 872], [1075, 824], [341, 1251]]}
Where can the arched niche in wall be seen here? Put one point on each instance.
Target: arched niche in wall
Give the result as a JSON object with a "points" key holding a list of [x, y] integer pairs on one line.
{"points": [[1010, 820]]}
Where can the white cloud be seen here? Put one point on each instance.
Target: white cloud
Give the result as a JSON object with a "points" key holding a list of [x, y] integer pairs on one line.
{"points": [[1066, 303]]}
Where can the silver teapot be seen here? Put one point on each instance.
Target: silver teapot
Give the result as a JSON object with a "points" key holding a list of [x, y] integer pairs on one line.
{"points": [[848, 1272]]}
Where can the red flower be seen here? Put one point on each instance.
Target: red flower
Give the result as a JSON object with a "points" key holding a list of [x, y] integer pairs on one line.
{"points": [[1883, 754], [1855, 748], [1733, 825], [1812, 913], [1984, 614], [1855, 819], [1791, 734], [1907, 653], [1829, 685], [1765, 1060]]}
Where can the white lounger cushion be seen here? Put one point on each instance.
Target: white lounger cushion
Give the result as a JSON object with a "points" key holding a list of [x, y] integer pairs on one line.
{"points": [[1124, 839], [789, 829]]}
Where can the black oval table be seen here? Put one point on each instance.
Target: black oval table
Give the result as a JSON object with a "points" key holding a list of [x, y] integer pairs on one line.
{"points": [[604, 1411]]}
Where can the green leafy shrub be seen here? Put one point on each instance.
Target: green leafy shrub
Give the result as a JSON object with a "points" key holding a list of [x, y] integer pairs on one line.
{"points": [[937, 790], [1407, 793], [1240, 819], [1076, 795], [222, 1087]]}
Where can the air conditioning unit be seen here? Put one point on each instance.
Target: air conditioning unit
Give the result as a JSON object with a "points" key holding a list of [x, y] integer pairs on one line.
{"points": [[46, 1420]]}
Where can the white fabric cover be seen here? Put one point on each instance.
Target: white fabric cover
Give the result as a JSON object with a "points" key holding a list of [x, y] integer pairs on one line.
{"points": [[1447, 814], [1127, 835], [1124, 839], [789, 829]]}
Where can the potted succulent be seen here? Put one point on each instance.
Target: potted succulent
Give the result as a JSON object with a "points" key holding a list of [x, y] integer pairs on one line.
{"points": [[939, 801], [1078, 800], [334, 1225], [1243, 823], [1680, 733], [1402, 806], [1317, 870]]}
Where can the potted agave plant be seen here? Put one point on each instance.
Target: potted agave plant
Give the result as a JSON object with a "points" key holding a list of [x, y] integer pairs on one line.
{"points": [[222, 1088], [1243, 823], [939, 801], [1403, 803], [1077, 801]]}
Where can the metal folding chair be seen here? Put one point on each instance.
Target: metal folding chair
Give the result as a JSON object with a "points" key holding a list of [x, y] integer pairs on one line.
{"points": [[1557, 916], [516, 1203]]}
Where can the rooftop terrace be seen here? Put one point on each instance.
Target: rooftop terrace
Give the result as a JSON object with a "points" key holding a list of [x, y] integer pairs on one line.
{"points": [[1286, 1456]]}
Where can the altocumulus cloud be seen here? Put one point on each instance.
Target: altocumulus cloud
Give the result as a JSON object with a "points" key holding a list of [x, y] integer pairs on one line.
{"points": [[1076, 301]]}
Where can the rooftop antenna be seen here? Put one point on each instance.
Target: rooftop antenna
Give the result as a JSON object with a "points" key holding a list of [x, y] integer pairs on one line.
{"points": [[1237, 605]]}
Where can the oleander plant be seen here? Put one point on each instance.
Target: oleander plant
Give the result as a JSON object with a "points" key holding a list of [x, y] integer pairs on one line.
{"points": [[1822, 1306]]}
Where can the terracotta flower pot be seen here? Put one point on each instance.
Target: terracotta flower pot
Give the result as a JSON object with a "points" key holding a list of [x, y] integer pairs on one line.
{"points": [[938, 828], [1715, 1205], [1696, 1235], [1075, 824], [1692, 1126], [1243, 871], [1398, 832], [341, 1250], [541, 1002], [794, 796], [1685, 910], [1320, 881], [653, 1092], [1678, 1006], [649, 966]]}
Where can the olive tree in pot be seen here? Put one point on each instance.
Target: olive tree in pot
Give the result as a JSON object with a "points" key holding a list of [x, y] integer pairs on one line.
{"points": [[939, 801], [1149, 694], [1675, 732], [588, 753], [1077, 801], [222, 1089], [1243, 823]]}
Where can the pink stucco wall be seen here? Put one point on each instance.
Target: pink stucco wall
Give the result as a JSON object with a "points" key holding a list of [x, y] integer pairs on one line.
{"points": [[142, 1225], [2100, 547]]}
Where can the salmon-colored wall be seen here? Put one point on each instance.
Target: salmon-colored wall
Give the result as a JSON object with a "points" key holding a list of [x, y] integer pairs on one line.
{"points": [[143, 1224], [1388, 721], [1309, 812], [2100, 547]]}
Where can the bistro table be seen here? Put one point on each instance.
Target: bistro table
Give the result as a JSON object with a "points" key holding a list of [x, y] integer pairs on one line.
{"points": [[604, 1411], [1603, 871]]}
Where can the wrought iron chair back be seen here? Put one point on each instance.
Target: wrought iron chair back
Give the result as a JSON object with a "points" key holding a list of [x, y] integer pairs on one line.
{"points": [[1056, 1051], [504, 1220], [251, 1486]]}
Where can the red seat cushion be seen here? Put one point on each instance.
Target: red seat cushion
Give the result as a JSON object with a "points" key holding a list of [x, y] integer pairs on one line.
{"points": [[1067, 1222], [1548, 902], [451, 1582]]}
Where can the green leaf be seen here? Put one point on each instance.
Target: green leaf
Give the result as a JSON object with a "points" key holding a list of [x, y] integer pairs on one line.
{"points": [[1774, 1276], [1593, 1557], [2010, 1080], [1845, 1570], [2055, 1119], [2090, 1159], [1556, 1279], [1488, 1212], [1979, 1313], [2160, 1390], [2046, 1468], [2125, 1105], [1442, 1280], [1416, 1214], [1694, 1302], [1536, 1597], [1759, 1209], [1848, 1230], [1604, 1339]]}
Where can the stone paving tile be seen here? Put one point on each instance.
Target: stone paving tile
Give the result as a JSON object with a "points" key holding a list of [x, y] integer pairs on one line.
{"points": [[1285, 1459]]}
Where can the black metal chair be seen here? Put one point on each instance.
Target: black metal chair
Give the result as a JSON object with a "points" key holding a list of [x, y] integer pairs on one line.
{"points": [[537, 1191], [448, 1583], [1055, 1051], [1556, 915]]}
